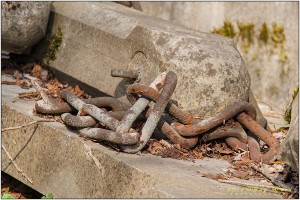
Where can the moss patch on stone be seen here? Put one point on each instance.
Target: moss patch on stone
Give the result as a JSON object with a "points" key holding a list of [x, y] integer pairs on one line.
{"points": [[246, 35], [54, 44], [226, 30]]}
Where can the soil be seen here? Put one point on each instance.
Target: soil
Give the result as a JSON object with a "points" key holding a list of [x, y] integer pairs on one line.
{"points": [[17, 189]]}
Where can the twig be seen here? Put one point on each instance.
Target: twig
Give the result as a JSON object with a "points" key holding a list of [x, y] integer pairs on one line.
{"points": [[270, 115], [274, 188], [33, 122], [29, 94], [31, 77], [16, 166], [9, 82], [42, 92]]}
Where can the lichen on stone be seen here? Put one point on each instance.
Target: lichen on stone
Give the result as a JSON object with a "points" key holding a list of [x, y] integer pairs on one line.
{"points": [[274, 38], [246, 34], [264, 33], [226, 30]]}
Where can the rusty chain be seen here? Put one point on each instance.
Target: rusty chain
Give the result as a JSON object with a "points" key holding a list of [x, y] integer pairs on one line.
{"points": [[106, 118]]}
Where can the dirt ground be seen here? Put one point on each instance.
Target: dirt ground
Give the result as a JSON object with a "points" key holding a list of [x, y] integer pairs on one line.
{"points": [[17, 189]]}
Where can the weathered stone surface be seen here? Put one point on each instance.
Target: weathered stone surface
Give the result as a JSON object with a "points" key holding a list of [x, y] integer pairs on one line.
{"points": [[289, 151], [23, 25], [259, 116], [271, 79], [59, 161], [100, 36]]}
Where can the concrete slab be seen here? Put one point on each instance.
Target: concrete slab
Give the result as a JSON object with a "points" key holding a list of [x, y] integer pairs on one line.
{"points": [[59, 161], [99, 36]]}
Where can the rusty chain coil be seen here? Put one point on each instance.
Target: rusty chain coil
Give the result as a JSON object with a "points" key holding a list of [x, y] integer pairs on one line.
{"points": [[119, 123]]}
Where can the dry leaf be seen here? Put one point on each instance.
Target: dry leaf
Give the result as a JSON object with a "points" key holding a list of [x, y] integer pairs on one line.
{"points": [[36, 71], [78, 91]]}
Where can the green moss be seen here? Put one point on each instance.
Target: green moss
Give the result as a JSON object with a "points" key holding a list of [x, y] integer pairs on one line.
{"points": [[54, 44], [287, 115], [246, 34], [279, 40], [278, 35], [296, 91], [264, 33], [246, 31], [227, 30]]}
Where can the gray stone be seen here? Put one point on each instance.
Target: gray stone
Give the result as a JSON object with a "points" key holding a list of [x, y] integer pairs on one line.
{"points": [[259, 116], [271, 79], [59, 161], [23, 25], [100, 36], [289, 150]]}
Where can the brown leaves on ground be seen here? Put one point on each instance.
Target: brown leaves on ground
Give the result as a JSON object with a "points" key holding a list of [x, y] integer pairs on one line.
{"points": [[41, 75], [36, 71], [165, 149]]}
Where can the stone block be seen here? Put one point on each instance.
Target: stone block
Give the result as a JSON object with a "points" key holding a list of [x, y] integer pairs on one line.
{"points": [[100, 36], [271, 79], [23, 25], [289, 151]]}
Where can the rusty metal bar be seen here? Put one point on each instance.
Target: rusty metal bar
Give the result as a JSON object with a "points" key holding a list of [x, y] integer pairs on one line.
{"points": [[139, 89], [254, 149], [235, 144], [139, 106], [262, 134], [155, 115], [60, 108], [87, 121], [101, 115], [78, 121], [128, 138], [92, 110], [165, 128], [188, 143], [207, 124], [229, 130], [134, 73], [57, 108], [111, 136]]}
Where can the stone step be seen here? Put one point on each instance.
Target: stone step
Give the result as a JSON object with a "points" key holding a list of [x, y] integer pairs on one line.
{"points": [[59, 161]]}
